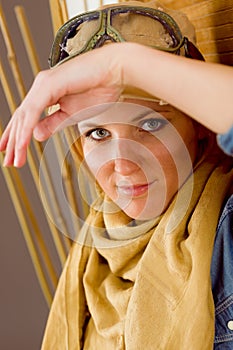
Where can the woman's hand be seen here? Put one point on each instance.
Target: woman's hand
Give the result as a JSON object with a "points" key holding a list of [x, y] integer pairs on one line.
{"points": [[90, 79]]}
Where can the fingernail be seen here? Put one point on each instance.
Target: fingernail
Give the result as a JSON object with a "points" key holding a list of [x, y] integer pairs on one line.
{"points": [[38, 135], [16, 162]]}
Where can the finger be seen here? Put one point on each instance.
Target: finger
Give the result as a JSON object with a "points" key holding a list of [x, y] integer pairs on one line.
{"points": [[9, 154], [76, 107], [45, 92], [15, 139], [18, 133], [31, 108], [49, 125], [19, 137], [20, 150], [5, 136]]}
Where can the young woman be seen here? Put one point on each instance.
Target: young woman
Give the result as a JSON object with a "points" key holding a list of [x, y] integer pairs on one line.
{"points": [[138, 274]]}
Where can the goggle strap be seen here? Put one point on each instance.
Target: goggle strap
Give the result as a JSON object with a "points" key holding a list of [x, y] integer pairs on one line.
{"points": [[191, 51]]}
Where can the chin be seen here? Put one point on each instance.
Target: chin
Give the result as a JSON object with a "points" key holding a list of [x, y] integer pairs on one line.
{"points": [[147, 209], [143, 213]]}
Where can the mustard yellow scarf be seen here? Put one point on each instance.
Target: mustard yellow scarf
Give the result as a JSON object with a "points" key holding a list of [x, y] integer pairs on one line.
{"points": [[143, 285]]}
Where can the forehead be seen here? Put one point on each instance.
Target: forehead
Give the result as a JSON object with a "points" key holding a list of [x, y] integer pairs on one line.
{"points": [[127, 112]]}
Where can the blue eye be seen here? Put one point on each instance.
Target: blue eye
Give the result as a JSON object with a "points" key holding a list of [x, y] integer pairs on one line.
{"points": [[98, 134], [153, 124]]}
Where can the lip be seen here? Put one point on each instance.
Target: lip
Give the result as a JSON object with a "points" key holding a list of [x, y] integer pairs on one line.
{"points": [[134, 190]]}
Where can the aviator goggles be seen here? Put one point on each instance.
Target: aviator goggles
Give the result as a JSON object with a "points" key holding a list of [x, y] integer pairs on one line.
{"points": [[98, 27]]}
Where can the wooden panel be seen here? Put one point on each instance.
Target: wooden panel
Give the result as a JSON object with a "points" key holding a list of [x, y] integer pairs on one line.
{"points": [[224, 31], [213, 21], [208, 4]]}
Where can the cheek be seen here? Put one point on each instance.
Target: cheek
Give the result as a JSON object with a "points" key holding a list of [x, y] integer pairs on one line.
{"points": [[96, 157], [103, 176], [168, 175], [100, 166], [175, 156]]}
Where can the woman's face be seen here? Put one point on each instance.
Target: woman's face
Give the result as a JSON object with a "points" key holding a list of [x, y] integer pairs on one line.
{"points": [[140, 154]]}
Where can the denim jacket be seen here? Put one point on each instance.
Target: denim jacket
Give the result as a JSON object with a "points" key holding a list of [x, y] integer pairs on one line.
{"points": [[222, 279], [225, 142]]}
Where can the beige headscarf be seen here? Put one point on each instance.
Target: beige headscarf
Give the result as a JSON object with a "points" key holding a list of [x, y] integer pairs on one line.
{"points": [[150, 290]]}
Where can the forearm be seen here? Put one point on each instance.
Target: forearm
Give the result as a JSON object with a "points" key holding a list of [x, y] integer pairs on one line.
{"points": [[202, 90]]}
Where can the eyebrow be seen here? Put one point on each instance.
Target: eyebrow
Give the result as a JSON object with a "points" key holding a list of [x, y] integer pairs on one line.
{"points": [[143, 114], [90, 125]]}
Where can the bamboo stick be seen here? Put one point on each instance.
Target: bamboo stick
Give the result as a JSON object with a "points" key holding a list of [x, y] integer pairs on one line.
{"points": [[27, 39], [63, 7], [38, 148], [13, 190], [13, 183], [7, 90], [85, 5], [32, 163], [50, 190], [56, 14], [47, 259], [11, 55], [31, 159], [56, 212], [66, 174]]}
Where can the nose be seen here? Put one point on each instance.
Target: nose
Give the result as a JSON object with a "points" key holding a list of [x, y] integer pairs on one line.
{"points": [[125, 162], [125, 166]]}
